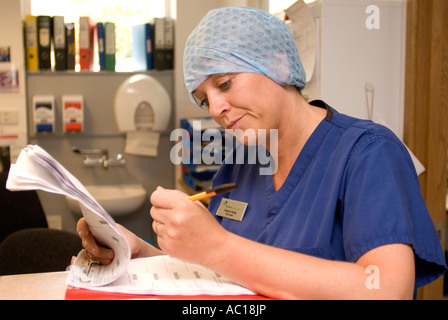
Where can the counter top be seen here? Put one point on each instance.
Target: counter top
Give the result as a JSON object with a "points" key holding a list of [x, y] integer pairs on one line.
{"points": [[51, 286], [33, 286]]}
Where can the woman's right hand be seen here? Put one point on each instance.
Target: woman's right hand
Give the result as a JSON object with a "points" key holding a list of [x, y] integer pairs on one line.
{"points": [[95, 251], [104, 255]]}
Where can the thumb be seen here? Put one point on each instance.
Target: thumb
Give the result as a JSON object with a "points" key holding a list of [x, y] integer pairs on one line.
{"points": [[166, 198]]}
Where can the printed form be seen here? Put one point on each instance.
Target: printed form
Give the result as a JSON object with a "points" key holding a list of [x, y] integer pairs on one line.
{"points": [[163, 275]]}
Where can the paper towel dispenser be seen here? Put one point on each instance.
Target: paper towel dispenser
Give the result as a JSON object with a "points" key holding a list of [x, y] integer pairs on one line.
{"points": [[142, 103]]}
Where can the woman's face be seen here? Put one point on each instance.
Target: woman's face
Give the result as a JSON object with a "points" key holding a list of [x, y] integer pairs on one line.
{"points": [[242, 101]]}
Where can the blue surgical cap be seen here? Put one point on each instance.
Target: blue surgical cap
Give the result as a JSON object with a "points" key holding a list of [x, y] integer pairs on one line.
{"points": [[241, 39]]}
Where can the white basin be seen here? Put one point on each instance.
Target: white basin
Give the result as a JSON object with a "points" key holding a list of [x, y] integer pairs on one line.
{"points": [[117, 200]]}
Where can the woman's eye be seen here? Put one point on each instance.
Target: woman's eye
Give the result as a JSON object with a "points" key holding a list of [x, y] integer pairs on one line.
{"points": [[225, 85], [204, 103], [201, 102]]}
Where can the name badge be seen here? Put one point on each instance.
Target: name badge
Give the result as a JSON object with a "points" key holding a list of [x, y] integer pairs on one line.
{"points": [[232, 209]]}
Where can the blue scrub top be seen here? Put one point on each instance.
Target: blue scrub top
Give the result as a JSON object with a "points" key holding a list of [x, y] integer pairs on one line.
{"points": [[352, 188]]}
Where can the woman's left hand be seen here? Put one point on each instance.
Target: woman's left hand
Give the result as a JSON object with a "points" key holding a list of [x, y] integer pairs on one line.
{"points": [[186, 230]]}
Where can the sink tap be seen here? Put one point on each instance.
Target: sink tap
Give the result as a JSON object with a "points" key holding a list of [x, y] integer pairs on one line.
{"points": [[98, 152], [118, 160], [99, 158]]}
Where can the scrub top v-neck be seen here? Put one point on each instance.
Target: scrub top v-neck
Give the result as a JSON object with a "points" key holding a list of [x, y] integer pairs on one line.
{"points": [[352, 188]]}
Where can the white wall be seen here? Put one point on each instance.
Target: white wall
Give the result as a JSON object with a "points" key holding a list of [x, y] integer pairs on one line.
{"points": [[189, 13], [352, 55], [11, 36]]}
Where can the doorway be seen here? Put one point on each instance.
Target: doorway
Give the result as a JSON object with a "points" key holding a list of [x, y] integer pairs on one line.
{"points": [[426, 109]]}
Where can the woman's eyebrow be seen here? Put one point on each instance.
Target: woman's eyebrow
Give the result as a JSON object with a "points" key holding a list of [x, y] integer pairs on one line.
{"points": [[216, 76]]}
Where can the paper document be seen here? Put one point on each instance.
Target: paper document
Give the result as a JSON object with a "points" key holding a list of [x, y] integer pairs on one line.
{"points": [[35, 169], [163, 275]]}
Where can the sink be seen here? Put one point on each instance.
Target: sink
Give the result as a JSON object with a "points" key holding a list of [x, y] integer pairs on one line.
{"points": [[117, 200]]}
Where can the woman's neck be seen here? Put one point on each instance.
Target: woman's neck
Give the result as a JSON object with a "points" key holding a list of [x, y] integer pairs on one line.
{"points": [[299, 122]]}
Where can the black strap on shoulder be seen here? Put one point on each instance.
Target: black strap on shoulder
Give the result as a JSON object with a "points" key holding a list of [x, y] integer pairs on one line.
{"points": [[323, 105]]}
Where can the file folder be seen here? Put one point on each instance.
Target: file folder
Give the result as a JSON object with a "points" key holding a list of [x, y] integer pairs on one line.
{"points": [[44, 43], [142, 46], [59, 43], [86, 43], [163, 43], [109, 37], [71, 46], [86, 294], [101, 45], [31, 39]]}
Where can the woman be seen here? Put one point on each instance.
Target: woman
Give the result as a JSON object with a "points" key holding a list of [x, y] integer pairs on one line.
{"points": [[342, 215]]}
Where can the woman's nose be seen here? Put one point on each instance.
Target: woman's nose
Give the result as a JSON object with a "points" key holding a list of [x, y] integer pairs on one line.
{"points": [[218, 105]]}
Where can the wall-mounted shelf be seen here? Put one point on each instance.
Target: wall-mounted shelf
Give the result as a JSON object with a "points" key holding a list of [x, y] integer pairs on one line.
{"points": [[96, 73]]}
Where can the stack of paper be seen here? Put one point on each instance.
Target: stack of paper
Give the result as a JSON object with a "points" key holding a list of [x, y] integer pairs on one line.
{"points": [[36, 169], [163, 275]]}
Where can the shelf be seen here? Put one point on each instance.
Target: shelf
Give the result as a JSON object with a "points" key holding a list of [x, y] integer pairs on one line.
{"points": [[94, 73]]}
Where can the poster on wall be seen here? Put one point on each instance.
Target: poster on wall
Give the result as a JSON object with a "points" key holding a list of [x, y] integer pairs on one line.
{"points": [[5, 54], [9, 74]]}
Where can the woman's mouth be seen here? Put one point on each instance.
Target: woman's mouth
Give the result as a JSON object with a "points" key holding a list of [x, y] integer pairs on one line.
{"points": [[234, 124]]}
